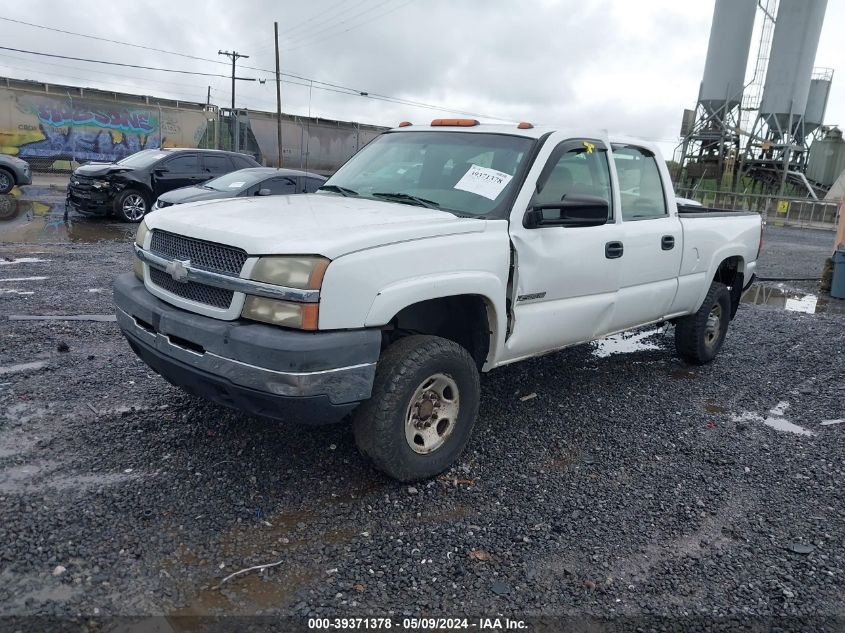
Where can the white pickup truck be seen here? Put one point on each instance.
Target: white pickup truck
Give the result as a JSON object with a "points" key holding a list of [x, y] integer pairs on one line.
{"points": [[437, 252]]}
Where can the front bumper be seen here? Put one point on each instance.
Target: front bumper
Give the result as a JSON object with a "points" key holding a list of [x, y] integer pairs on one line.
{"points": [[307, 377], [94, 202]]}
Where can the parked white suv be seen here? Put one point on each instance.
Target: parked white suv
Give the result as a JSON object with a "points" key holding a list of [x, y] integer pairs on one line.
{"points": [[387, 292]]}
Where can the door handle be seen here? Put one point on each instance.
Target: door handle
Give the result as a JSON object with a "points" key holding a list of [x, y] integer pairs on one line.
{"points": [[667, 242], [613, 250]]}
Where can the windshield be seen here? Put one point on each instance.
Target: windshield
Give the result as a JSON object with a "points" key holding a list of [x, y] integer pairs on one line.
{"points": [[142, 159], [462, 172], [234, 181]]}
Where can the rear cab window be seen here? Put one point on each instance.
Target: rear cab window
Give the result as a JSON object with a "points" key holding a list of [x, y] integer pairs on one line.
{"points": [[640, 185]]}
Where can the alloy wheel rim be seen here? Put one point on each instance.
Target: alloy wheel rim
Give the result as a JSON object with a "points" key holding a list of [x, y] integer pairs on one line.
{"points": [[5, 181], [134, 207], [432, 414], [713, 327]]}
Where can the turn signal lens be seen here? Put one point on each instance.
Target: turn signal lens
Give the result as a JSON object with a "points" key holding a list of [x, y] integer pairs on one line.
{"points": [[303, 316]]}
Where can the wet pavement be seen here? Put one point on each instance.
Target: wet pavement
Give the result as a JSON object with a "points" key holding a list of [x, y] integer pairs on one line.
{"points": [[37, 216]]}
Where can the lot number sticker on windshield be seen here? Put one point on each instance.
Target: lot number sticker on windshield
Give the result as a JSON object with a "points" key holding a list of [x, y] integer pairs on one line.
{"points": [[236, 185], [484, 181]]}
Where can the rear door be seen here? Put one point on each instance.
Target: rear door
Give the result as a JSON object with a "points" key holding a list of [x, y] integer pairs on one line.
{"points": [[179, 171], [214, 165], [651, 237], [565, 278]]}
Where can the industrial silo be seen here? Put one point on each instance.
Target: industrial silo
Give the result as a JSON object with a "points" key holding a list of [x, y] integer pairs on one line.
{"points": [[727, 54], [817, 100], [796, 38]]}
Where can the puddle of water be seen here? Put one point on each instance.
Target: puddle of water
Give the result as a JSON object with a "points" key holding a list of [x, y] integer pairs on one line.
{"points": [[29, 221], [35, 476], [775, 419], [791, 300], [625, 343], [23, 279], [831, 422]]}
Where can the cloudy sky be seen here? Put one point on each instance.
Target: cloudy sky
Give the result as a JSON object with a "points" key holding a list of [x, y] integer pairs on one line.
{"points": [[629, 66]]}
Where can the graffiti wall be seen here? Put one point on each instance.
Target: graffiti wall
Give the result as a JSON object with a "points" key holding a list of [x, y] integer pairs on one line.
{"points": [[46, 128]]}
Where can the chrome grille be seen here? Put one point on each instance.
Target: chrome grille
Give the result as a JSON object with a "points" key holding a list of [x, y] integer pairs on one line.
{"points": [[192, 291], [208, 255]]}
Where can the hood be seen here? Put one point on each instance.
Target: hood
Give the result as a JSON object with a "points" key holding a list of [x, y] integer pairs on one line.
{"points": [[308, 224], [99, 169], [193, 194]]}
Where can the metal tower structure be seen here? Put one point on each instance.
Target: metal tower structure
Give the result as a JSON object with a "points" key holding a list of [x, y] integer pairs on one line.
{"points": [[776, 150]]}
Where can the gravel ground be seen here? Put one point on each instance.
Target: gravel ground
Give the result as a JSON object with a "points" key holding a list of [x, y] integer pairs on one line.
{"points": [[630, 485]]}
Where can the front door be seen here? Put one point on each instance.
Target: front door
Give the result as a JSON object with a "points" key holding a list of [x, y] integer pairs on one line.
{"points": [[652, 238], [565, 277], [179, 171]]}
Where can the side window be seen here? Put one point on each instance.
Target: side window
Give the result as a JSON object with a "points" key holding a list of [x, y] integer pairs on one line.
{"points": [[241, 162], [216, 164], [640, 187], [581, 168], [184, 164], [312, 184], [279, 186]]}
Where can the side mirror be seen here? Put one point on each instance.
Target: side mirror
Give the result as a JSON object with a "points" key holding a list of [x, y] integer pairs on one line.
{"points": [[160, 171], [573, 210], [263, 192]]}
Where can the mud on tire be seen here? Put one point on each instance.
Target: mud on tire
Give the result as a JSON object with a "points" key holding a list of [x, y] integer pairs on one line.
{"points": [[422, 410], [699, 336]]}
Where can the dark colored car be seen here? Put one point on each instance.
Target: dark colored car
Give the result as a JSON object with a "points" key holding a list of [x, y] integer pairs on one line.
{"points": [[13, 171], [128, 187], [255, 181]]}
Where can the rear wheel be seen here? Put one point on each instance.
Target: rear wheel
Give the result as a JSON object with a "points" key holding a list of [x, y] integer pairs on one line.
{"points": [[422, 410], [699, 336], [7, 181], [131, 205]]}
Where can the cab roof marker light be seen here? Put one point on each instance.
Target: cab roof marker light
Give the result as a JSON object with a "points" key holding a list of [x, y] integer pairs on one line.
{"points": [[405, 123], [454, 122], [525, 125]]}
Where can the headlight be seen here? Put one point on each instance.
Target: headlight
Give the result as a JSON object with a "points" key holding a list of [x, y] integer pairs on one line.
{"points": [[294, 272], [285, 313], [305, 273], [141, 233], [100, 184]]}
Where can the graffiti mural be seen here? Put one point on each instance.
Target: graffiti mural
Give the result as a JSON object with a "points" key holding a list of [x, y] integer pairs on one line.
{"points": [[44, 129]]}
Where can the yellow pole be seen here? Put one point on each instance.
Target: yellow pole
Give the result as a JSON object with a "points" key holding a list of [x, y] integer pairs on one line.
{"points": [[839, 242]]}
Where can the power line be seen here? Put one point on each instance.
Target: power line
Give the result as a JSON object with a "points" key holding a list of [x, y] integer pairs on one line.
{"points": [[329, 30], [317, 83], [99, 61], [105, 39]]}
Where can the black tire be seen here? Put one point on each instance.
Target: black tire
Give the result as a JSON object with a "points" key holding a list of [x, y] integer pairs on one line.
{"points": [[129, 203], [698, 338], [7, 181], [404, 368]]}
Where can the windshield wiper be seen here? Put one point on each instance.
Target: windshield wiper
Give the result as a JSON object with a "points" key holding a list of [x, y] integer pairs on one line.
{"points": [[406, 197], [344, 191]]}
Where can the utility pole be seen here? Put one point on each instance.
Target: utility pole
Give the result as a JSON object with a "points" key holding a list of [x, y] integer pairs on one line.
{"points": [[234, 56], [278, 96]]}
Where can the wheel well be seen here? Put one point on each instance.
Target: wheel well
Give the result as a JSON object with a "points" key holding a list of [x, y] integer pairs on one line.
{"points": [[463, 319], [729, 273]]}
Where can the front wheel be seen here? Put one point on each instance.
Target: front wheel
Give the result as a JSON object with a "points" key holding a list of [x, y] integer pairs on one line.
{"points": [[7, 181], [699, 336], [422, 410], [131, 205]]}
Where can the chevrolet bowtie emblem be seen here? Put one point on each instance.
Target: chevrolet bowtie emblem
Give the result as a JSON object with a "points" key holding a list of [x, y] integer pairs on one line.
{"points": [[178, 270]]}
